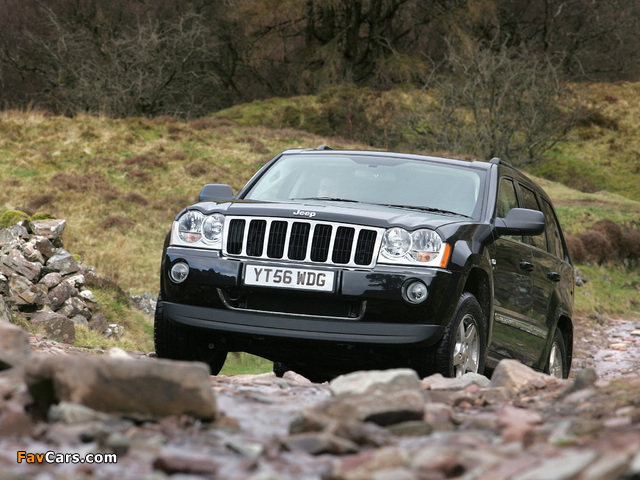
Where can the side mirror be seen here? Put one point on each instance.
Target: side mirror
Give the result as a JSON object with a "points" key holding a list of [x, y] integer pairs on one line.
{"points": [[521, 221], [215, 192]]}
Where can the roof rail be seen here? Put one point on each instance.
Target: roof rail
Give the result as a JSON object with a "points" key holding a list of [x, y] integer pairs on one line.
{"points": [[498, 161], [323, 147]]}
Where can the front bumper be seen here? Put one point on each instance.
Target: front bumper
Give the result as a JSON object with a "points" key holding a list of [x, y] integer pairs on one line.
{"points": [[385, 318]]}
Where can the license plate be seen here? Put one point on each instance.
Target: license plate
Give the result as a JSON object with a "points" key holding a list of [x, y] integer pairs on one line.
{"points": [[297, 278]]}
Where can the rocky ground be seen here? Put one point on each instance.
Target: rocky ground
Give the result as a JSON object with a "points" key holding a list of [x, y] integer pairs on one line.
{"points": [[165, 420], [161, 419]]}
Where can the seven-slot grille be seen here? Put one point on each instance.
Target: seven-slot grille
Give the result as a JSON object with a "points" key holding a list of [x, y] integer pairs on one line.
{"points": [[301, 240]]}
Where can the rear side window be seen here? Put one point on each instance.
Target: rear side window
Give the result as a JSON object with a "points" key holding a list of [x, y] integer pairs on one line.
{"points": [[506, 198], [554, 241], [531, 203]]}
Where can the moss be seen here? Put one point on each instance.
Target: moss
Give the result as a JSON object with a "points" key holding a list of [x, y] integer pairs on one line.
{"points": [[42, 216], [11, 217]]}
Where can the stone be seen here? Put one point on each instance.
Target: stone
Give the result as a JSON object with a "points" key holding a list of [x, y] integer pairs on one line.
{"points": [[584, 378], [44, 246], [249, 450], [137, 389], [376, 382], [56, 326], [174, 460], [514, 376], [50, 229], [388, 409], [364, 464], [5, 312], [32, 254], [14, 346], [15, 263], [439, 382], [51, 280], [415, 428], [80, 320], [71, 413], [114, 331], [510, 415], [74, 306], [317, 443], [566, 466], [99, 323], [611, 465], [76, 280], [87, 296], [296, 378], [62, 262], [58, 295]]}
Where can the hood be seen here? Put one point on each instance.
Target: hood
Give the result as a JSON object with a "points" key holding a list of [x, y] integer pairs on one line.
{"points": [[354, 213]]}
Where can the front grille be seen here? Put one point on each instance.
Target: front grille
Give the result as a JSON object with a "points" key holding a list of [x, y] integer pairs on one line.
{"points": [[302, 241]]}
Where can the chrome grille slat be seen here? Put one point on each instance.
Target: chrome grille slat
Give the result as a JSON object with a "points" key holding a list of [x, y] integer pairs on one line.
{"points": [[302, 241]]}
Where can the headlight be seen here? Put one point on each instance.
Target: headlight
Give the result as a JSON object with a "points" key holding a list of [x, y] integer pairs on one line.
{"points": [[212, 228], [190, 226], [426, 245], [396, 242], [422, 247], [194, 228]]}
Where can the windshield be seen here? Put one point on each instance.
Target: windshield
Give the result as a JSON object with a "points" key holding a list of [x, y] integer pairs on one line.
{"points": [[392, 181]]}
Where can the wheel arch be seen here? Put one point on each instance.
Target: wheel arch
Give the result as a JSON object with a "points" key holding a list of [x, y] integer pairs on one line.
{"points": [[565, 325], [478, 284]]}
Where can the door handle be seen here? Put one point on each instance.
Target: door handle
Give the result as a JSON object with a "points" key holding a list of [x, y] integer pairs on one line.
{"points": [[527, 266], [553, 276]]}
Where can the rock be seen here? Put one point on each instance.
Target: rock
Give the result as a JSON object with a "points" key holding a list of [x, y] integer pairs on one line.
{"points": [[87, 296], [15, 263], [32, 254], [249, 450], [415, 428], [146, 303], [62, 262], [71, 413], [60, 294], [611, 465], [14, 346], [76, 280], [44, 246], [584, 379], [174, 460], [114, 331], [296, 378], [98, 323], [376, 382], [566, 466], [80, 320], [5, 312], [388, 409], [56, 326], [317, 443], [74, 306], [144, 390], [514, 376], [51, 280], [439, 382], [364, 464], [50, 229]]}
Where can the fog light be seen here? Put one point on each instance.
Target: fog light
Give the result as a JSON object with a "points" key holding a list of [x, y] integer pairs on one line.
{"points": [[179, 272], [415, 292]]}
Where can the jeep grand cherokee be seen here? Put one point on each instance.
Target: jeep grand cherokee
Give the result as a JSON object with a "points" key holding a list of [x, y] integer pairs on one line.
{"points": [[329, 261]]}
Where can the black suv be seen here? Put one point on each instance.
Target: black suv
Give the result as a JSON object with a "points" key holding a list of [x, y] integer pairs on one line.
{"points": [[330, 261]]}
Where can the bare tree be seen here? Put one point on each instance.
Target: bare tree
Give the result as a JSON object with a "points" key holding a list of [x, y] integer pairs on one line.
{"points": [[496, 102]]}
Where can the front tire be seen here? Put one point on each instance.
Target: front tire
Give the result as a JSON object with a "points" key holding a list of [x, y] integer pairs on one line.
{"points": [[462, 348], [178, 343]]}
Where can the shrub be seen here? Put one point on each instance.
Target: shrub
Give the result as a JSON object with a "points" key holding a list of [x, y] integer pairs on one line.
{"points": [[576, 249], [631, 245], [144, 161], [614, 234], [597, 246]]}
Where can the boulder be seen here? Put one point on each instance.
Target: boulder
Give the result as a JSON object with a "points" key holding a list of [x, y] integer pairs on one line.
{"points": [[15, 263], [51, 280], [99, 323], [140, 390], [56, 326], [60, 294], [5, 313], [14, 346], [376, 382]]}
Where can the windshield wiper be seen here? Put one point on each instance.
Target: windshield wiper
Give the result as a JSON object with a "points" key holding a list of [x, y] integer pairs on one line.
{"points": [[328, 199], [425, 209]]}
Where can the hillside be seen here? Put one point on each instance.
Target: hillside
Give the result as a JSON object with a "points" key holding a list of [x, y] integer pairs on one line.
{"points": [[120, 183]]}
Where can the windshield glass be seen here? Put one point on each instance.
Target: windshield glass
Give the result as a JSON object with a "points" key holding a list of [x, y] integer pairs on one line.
{"points": [[393, 181]]}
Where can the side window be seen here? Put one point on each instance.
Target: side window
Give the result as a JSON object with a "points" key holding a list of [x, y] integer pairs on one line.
{"points": [[531, 202], [506, 198], [553, 230]]}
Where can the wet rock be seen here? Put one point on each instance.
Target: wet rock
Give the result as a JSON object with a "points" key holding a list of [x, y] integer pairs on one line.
{"points": [[173, 460], [62, 262], [57, 326], [49, 229], [376, 382], [14, 346], [567, 466], [317, 443], [382, 410], [514, 377], [112, 385]]}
